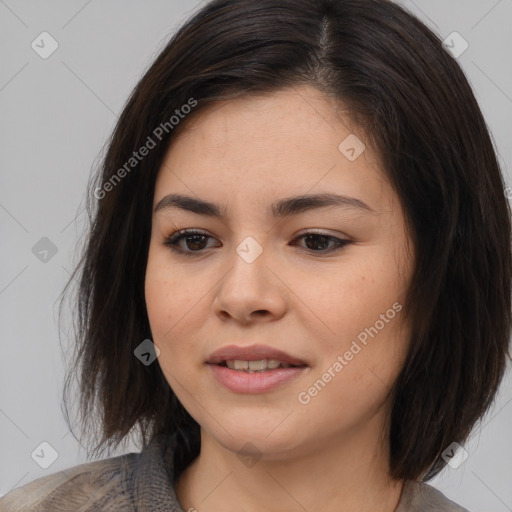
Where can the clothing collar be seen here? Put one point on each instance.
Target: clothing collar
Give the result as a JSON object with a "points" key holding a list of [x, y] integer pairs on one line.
{"points": [[153, 477], [155, 492]]}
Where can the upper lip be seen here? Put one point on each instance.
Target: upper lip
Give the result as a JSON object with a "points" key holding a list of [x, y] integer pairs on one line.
{"points": [[252, 353]]}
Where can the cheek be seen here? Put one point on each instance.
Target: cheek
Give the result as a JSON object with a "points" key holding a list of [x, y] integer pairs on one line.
{"points": [[167, 296], [346, 298], [159, 302], [161, 299], [174, 307], [357, 305], [348, 393]]}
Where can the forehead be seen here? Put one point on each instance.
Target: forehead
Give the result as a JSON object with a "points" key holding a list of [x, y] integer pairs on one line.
{"points": [[290, 141], [296, 114]]}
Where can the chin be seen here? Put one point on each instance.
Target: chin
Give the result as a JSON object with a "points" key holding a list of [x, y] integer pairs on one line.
{"points": [[259, 440]]}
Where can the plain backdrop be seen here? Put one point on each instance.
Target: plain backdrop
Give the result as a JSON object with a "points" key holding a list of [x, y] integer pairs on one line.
{"points": [[56, 114]]}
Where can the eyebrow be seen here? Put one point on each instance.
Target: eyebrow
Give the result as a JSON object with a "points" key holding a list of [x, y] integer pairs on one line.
{"points": [[281, 208]]}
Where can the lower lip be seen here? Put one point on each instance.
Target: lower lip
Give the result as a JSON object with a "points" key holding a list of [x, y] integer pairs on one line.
{"points": [[243, 382]]}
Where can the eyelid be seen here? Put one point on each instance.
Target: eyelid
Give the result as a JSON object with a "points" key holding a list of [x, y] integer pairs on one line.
{"points": [[171, 241]]}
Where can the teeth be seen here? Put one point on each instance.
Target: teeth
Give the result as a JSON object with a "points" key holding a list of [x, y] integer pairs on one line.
{"points": [[256, 366], [241, 365]]}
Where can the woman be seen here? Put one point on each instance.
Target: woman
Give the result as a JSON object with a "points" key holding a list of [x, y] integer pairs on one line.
{"points": [[297, 281]]}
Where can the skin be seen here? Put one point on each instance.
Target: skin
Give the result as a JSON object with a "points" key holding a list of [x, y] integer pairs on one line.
{"points": [[333, 451]]}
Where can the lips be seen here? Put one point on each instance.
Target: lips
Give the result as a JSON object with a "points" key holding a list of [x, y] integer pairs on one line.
{"points": [[252, 353]]}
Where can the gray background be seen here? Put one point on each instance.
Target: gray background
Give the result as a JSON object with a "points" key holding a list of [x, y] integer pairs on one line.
{"points": [[56, 114]]}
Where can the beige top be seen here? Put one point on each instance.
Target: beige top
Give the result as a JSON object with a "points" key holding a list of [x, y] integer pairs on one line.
{"points": [[143, 482]]}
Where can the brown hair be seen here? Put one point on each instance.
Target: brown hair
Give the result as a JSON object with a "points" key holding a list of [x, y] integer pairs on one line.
{"points": [[398, 83]]}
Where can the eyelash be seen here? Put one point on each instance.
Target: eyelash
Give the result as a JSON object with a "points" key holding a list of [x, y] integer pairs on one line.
{"points": [[172, 240]]}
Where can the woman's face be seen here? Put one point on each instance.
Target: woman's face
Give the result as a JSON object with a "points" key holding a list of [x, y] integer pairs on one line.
{"points": [[251, 277]]}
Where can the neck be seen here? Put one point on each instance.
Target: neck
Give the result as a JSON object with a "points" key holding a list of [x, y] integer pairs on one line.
{"points": [[348, 475]]}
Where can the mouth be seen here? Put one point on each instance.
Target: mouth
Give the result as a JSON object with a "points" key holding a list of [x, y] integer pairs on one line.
{"points": [[257, 366], [253, 358], [249, 381], [254, 369]]}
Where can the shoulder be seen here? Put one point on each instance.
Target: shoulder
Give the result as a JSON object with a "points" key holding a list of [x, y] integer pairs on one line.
{"points": [[81, 487], [131, 482], [422, 497]]}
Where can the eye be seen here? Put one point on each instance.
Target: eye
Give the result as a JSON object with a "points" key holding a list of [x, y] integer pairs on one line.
{"points": [[195, 242], [319, 242]]}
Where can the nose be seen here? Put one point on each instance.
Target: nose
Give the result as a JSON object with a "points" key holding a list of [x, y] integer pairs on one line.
{"points": [[251, 290]]}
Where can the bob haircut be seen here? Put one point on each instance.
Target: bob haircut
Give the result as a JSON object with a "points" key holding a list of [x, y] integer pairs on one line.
{"points": [[396, 82]]}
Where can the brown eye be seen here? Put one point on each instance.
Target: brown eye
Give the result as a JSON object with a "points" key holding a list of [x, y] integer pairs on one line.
{"points": [[319, 242], [194, 242]]}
